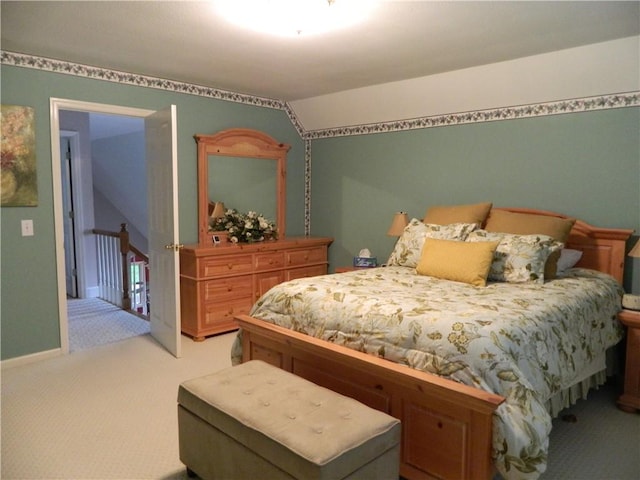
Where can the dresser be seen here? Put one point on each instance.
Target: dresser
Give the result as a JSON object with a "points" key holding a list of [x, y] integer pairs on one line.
{"points": [[221, 281]]}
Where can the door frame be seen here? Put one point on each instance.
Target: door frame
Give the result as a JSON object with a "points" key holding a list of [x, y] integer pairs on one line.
{"points": [[55, 105]]}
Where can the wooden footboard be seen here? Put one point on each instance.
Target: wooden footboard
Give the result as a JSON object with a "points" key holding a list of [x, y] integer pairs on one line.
{"points": [[446, 426]]}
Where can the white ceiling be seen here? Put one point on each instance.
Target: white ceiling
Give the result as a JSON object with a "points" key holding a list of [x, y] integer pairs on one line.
{"points": [[187, 41]]}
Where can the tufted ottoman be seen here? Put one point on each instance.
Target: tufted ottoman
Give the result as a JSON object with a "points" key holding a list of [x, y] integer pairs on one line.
{"points": [[255, 421]]}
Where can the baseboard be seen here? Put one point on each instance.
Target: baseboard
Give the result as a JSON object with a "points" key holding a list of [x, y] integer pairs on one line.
{"points": [[92, 292], [31, 358]]}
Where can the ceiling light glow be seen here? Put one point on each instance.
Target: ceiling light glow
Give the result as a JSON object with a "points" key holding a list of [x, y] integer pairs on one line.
{"points": [[291, 18]]}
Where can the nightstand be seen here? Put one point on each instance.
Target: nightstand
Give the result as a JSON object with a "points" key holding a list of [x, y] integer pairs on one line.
{"points": [[629, 401]]}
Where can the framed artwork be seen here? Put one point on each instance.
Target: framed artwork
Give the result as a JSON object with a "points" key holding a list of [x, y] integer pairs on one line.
{"points": [[19, 186]]}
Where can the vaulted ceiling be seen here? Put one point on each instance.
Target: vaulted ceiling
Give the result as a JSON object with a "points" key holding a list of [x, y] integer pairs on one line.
{"points": [[189, 41]]}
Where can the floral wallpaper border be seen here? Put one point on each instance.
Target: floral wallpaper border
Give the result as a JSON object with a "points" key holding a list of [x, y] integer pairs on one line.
{"points": [[575, 105], [307, 187], [58, 66]]}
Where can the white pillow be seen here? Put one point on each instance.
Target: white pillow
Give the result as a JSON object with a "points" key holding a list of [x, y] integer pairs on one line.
{"points": [[408, 248], [568, 259]]}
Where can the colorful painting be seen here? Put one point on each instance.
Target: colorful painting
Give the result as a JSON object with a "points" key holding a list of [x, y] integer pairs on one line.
{"points": [[19, 186]]}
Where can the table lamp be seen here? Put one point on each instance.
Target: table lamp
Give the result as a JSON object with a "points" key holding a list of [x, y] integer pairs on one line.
{"points": [[400, 220], [218, 210]]}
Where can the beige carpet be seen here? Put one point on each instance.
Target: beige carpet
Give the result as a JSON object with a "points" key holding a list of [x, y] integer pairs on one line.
{"points": [[110, 413], [600, 443], [104, 413]]}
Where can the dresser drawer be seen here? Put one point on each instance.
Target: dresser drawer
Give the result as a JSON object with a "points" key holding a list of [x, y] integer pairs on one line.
{"points": [[266, 280], [305, 256], [223, 313], [269, 261], [225, 265], [303, 272], [224, 289]]}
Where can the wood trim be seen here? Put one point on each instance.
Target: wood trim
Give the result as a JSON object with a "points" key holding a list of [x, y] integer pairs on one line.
{"points": [[433, 410]]}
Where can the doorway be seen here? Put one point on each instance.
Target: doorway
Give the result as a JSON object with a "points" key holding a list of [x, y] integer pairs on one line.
{"points": [[83, 247], [103, 186]]}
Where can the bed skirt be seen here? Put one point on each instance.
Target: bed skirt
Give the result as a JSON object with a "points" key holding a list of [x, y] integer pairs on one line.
{"points": [[592, 377]]}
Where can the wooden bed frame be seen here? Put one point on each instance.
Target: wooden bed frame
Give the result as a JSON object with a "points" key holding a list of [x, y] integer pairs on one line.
{"points": [[446, 426]]}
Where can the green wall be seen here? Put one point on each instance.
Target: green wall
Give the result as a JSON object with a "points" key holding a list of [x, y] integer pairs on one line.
{"points": [[29, 303], [585, 165], [582, 164]]}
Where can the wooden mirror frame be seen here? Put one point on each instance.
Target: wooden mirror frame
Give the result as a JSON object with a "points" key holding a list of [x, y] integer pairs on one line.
{"points": [[239, 142]]}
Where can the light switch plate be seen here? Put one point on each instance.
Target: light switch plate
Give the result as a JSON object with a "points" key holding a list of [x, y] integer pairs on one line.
{"points": [[27, 228]]}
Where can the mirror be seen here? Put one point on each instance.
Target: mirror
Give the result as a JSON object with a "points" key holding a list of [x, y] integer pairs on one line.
{"points": [[245, 169], [244, 183]]}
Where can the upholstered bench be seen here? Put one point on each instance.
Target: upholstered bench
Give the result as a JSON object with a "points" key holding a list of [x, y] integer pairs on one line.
{"points": [[255, 421]]}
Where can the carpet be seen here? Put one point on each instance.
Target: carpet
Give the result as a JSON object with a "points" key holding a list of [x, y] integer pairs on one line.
{"points": [[94, 322], [110, 413]]}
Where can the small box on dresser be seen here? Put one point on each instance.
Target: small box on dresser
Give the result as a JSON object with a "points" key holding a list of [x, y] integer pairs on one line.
{"points": [[218, 282], [629, 401]]}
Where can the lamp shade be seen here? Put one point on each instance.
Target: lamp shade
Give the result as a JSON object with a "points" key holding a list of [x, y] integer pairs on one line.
{"points": [[635, 251], [400, 220], [218, 210]]}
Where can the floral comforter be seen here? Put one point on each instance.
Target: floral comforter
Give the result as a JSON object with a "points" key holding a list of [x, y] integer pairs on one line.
{"points": [[525, 342]]}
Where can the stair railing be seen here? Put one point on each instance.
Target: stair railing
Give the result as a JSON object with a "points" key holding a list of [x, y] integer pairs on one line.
{"points": [[118, 261]]}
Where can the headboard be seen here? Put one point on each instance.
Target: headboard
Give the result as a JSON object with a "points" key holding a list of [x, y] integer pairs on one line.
{"points": [[603, 249]]}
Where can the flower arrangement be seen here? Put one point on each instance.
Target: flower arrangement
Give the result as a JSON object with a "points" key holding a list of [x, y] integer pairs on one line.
{"points": [[244, 227]]}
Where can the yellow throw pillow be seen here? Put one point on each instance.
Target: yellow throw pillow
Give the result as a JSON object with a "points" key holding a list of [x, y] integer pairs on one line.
{"points": [[444, 215], [458, 261]]}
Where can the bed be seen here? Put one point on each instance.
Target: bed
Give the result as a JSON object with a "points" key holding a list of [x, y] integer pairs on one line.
{"points": [[478, 402]]}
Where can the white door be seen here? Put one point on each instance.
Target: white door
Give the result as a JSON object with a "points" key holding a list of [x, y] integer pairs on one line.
{"points": [[162, 187]]}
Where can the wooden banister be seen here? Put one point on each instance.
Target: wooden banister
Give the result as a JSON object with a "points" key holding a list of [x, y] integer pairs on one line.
{"points": [[124, 248]]}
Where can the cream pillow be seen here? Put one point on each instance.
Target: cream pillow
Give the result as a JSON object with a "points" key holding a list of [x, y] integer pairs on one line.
{"points": [[444, 215], [518, 258], [457, 261], [532, 224], [408, 248]]}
